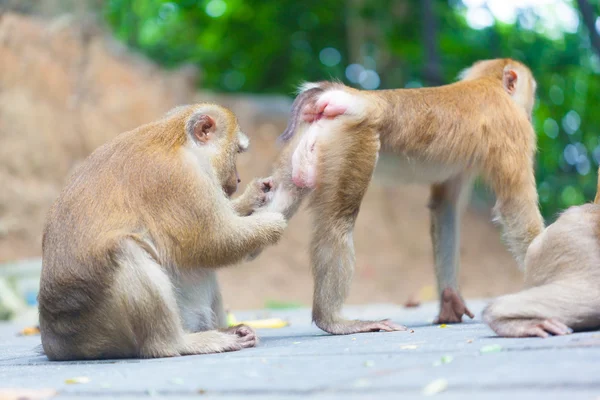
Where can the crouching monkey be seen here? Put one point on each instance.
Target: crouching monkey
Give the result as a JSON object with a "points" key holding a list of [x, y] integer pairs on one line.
{"points": [[443, 136], [562, 279], [131, 245]]}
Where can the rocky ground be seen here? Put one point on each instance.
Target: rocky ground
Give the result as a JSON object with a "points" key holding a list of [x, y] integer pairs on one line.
{"points": [[465, 361]]}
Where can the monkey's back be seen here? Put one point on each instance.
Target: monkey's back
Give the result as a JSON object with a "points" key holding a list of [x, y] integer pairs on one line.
{"points": [[110, 197]]}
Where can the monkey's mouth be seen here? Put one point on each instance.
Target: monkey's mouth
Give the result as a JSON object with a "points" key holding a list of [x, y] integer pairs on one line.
{"points": [[230, 190]]}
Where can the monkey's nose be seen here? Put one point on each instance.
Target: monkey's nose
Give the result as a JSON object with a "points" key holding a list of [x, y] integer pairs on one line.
{"points": [[239, 180]]}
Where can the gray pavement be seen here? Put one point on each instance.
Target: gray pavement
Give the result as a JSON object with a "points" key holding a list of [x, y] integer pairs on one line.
{"points": [[300, 361]]}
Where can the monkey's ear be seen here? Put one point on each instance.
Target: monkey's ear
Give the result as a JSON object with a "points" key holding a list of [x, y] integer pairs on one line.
{"points": [[201, 127], [509, 80]]}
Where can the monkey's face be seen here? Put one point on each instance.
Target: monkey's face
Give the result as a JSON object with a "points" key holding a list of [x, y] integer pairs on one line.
{"points": [[232, 182], [232, 178], [215, 130]]}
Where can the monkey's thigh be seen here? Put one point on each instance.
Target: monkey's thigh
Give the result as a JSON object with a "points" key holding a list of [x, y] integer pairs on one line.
{"points": [[138, 317], [199, 300]]}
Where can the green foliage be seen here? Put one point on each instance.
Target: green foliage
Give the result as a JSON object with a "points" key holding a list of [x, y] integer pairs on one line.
{"points": [[271, 46]]}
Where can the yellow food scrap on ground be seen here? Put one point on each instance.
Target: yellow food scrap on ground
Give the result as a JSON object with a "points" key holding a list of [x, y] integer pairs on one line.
{"points": [[77, 380], [30, 331], [267, 323], [443, 326], [435, 387]]}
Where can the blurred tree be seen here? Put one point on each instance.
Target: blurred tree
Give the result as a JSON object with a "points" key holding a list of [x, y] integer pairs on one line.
{"points": [[271, 46]]}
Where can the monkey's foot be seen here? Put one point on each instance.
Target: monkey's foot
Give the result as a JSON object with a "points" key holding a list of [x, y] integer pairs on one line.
{"points": [[350, 327], [452, 308], [530, 327], [246, 336]]}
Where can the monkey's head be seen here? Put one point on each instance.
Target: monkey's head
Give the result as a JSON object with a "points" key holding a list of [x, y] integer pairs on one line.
{"points": [[517, 80], [215, 130]]}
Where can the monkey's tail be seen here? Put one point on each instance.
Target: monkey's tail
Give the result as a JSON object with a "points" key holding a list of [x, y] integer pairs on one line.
{"points": [[306, 92]]}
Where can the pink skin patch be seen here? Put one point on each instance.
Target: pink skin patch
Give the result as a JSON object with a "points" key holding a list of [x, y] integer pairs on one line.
{"points": [[304, 160], [329, 105]]}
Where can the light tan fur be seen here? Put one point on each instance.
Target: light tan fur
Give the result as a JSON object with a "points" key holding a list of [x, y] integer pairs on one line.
{"points": [[562, 280], [131, 244], [445, 136]]}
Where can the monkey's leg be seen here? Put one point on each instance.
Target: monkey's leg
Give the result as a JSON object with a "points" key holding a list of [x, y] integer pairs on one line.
{"points": [[555, 308], [447, 202], [343, 179], [517, 206], [144, 305], [333, 266]]}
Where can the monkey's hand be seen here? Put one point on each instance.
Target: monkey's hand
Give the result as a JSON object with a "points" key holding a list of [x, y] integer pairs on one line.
{"points": [[452, 308], [256, 195]]}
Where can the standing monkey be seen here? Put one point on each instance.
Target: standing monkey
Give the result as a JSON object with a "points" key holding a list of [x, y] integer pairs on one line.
{"points": [[562, 280], [131, 245], [443, 136]]}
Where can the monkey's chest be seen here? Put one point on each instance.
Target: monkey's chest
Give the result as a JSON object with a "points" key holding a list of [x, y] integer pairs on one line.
{"points": [[195, 293], [403, 169]]}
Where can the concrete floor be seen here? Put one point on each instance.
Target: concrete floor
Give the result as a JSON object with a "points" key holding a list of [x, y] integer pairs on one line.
{"points": [[301, 361]]}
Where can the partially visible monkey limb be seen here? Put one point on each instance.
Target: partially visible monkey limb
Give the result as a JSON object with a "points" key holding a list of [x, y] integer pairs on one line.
{"points": [[254, 197], [443, 136], [131, 245], [562, 279]]}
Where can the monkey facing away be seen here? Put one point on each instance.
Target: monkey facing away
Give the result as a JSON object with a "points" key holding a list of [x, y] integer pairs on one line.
{"points": [[443, 136], [131, 245], [562, 279]]}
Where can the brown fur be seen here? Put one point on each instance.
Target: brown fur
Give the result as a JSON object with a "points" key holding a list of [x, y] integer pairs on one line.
{"points": [[134, 235], [443, 136], [562, 280]]}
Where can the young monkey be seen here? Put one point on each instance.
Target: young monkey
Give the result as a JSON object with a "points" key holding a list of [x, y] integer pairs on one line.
{"points": [[442, 136], [562, 279], [131, 245]]}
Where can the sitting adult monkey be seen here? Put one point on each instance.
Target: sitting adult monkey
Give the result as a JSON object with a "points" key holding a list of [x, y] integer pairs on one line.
{"points": [[562, 279], [443, 136], [131, 245]]}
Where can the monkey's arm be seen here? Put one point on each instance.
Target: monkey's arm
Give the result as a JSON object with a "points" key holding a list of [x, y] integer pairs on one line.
{"points": [[254, 196], [234, 237]]}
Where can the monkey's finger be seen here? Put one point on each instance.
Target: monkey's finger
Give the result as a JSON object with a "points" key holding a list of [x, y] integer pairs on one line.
{"points": [[555, 327], [267, 184], [536, 331], [469, 313], [563, 327], [385, 325], [394, 326]]}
